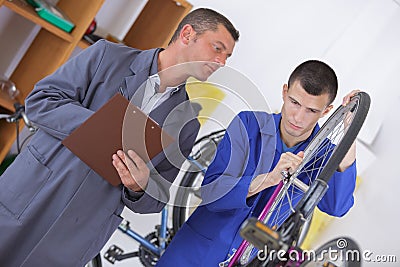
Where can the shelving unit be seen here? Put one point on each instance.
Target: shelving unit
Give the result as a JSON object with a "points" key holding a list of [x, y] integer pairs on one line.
{"points": [[7, 104], [156, 23], [50, 49], [52, 46]]}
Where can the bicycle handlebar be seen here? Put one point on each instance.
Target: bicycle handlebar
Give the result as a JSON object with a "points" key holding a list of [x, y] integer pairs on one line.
{"points": [[10, 91], [20, 114]]}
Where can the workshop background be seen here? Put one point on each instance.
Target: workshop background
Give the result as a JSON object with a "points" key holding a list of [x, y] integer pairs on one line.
{"points": [[360, 39]]}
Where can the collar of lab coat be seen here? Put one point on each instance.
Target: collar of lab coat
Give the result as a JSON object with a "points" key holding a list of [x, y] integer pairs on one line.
{"points": [[277, 120]]}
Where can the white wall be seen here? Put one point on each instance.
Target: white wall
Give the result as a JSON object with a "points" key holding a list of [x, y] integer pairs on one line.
{"points": [[16, 34], [117, 17], [360, 39]]}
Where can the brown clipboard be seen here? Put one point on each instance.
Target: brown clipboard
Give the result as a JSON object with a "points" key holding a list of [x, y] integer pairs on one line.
{"points": [[115, 126]]}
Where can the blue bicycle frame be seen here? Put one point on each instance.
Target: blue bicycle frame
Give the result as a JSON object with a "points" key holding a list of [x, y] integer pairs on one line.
{"points": [[153, 245], [125, 228]]}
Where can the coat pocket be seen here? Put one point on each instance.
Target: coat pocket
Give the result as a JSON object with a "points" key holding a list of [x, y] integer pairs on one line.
{"points": [[22, 181]]}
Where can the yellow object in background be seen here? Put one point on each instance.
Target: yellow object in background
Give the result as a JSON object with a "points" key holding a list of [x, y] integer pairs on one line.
{"points": [[207, 95], [319, 223]]}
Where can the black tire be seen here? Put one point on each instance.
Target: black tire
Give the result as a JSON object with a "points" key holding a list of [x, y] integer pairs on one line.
{"points": [[203, 153], [95, 262], [360, 104], [180, 211]]}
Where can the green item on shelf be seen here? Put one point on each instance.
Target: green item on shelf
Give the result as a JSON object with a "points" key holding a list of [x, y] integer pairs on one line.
{"points": [[32, 3], [52, 14]]}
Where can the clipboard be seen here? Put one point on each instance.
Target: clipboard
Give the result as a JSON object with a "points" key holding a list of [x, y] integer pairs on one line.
{"points": [[102, 134]]}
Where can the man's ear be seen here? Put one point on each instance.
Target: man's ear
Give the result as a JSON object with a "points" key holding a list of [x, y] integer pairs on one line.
{"points": [[186, 33], [285, 90], [327, 110]]}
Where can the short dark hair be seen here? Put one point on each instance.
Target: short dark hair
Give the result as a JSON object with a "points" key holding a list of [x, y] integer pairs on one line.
{"points": [[316, 77], [204, 19]]}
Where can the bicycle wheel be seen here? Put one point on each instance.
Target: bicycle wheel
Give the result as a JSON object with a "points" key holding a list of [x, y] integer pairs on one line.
{"points": [[189, 198], [321, 159], [95, 262], [342, 251], [188, 195], [322, 156]]}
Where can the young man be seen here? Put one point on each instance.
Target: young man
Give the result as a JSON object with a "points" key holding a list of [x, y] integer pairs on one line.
{"points": [[248, 164], [55, 210]]}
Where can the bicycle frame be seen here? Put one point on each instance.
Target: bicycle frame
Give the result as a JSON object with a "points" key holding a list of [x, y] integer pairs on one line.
{"points": [[115, 254], [124, 227], [262, 216], [261, 236], [197, 164], [303, 210]]}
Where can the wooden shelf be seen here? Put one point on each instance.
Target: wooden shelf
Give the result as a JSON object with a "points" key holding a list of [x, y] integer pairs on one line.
{"points": [[7, 130], [50, 49], [52, 46], [83, 44], [27, 11], [156, 23], [82, 13], [6, 103]]}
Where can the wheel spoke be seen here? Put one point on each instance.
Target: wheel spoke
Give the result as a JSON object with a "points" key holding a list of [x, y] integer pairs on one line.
{"points": [[316, 158]]}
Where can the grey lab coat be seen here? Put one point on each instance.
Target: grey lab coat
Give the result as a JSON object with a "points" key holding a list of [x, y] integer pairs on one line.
{"points": [[55, 210]]}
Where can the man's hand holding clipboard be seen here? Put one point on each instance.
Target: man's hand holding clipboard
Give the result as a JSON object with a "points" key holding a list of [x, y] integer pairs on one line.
{"points": [[129, 165], [98, 139]]}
